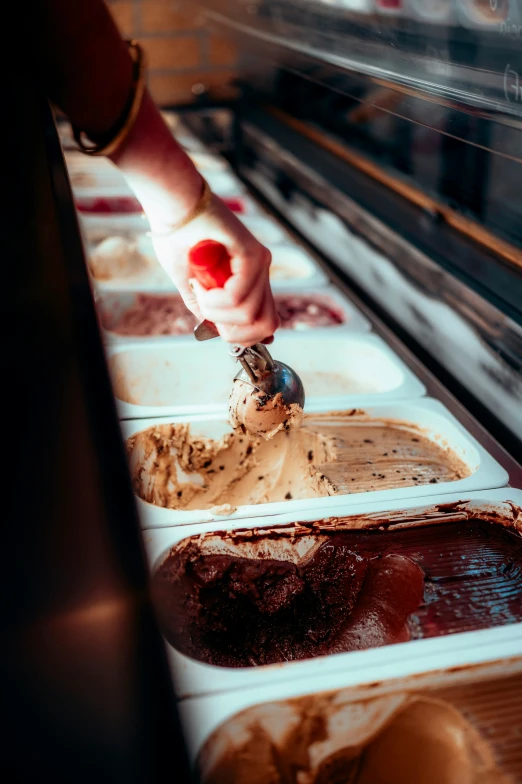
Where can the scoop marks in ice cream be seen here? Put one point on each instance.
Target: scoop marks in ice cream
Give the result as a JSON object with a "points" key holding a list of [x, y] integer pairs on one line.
{"points": [[331, 454]]}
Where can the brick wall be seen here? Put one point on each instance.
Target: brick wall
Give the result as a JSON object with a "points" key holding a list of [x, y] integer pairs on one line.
{"points": [[185, 58]]}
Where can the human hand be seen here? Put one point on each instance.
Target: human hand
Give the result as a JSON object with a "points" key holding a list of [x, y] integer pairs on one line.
{"points": [[243, 310]]}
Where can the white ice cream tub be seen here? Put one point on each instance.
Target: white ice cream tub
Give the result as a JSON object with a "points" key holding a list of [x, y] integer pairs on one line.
{"points": [[293, 268], [97, 227], [192, 677], [115, 304], [112, 184], [208, 162], [267, 230], [376, 691], [436, 422], [341, 370]]}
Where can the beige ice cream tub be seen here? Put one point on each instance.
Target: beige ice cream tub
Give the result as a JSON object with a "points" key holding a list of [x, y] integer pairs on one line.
{"points": [[157, 378], [425, 418], [292, 267], [459, 640], [449, 725]]}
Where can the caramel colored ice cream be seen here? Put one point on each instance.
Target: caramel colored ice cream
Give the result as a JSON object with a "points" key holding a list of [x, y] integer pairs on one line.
{"points": [[253, 412], [396, 739], [331, 454]]}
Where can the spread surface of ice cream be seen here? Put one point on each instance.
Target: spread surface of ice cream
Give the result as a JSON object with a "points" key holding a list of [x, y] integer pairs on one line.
{"points": [[152, 314], [258, 597], [330, 454], [401, 738]]}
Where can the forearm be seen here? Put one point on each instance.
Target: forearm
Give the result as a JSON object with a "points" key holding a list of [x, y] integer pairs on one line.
{"points": [[88, 74], [162, 175]]}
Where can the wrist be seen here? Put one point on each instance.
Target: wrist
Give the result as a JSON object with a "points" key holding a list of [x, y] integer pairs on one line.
{"points": [[162, 228]]}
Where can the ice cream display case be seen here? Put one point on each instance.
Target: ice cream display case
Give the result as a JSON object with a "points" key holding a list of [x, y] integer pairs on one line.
{"points": [[337, 597]]}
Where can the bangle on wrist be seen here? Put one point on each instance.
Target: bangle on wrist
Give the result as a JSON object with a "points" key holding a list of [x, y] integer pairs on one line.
{"points": [[201, 206], [130, 112]]}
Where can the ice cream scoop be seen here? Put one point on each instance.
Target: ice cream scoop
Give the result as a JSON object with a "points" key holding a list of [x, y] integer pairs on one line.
{"points": [[267, 395]]}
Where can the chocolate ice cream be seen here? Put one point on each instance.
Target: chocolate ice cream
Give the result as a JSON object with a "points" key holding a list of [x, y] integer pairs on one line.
{"points": [[239, 612], [267, 595], [332, 454]]}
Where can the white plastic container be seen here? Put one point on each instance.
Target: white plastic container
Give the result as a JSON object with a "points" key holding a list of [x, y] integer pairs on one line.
{"points": [[88, 184], [111, 306], [224, 183], [156, 378], [192, 677], [267, 230], [435, 420], [95, 228], [366, 702], [208, 162], [292, 267]]}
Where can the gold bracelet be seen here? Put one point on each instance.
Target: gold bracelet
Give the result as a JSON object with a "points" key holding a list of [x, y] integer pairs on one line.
{"points": [[130, 112], [199, 209]]}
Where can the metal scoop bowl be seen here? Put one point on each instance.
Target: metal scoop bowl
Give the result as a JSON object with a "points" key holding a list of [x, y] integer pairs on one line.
{"points": [[268, 375]]}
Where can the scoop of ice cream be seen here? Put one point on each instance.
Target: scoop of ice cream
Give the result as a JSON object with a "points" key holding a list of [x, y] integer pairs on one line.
{"points": [[254, 412]]}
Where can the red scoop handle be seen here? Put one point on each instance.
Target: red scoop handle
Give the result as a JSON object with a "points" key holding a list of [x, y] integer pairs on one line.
{"points": [[210, 264]]}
